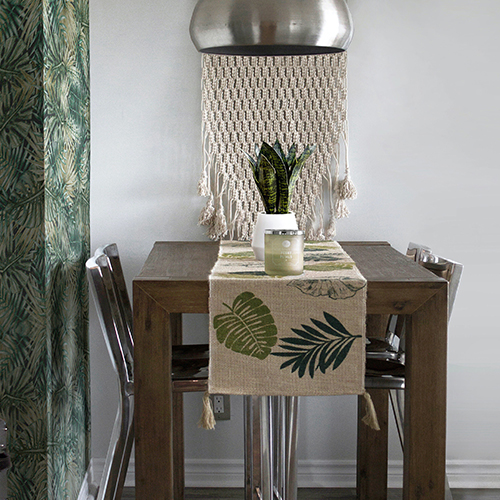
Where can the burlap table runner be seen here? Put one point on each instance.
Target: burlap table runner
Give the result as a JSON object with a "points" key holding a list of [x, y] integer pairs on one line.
{"points": [[291, 336]]}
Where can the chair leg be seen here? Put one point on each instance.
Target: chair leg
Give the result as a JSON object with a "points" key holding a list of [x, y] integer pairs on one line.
{"points": [[118, 455], [372, 452], [397, 397], [286, 412], [258, 455], [267, 448], [125, 462], [270, 447]]}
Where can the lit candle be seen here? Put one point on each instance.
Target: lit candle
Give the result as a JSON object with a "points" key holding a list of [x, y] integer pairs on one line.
{"points": [[284, 252]]}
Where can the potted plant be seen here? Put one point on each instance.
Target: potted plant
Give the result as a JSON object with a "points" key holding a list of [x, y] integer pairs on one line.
{"points": [[275, 174]]}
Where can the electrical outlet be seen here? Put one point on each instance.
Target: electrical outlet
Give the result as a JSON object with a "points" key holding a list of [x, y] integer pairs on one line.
{"points": [[222, 406]]}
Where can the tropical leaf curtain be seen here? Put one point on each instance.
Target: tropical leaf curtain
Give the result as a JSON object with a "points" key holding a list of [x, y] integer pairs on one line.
{"points": [[44, 242]]}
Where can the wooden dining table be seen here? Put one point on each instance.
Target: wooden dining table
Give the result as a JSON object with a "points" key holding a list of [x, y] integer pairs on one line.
{"points": [[174, 281]]}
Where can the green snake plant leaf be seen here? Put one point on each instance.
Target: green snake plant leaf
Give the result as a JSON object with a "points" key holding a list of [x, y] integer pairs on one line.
{"points": [[279, 150], [248, 328], [275, 174], [292, 156], [320, 348], [250, 159], [265, 178], [281, 170], [297, 168], [308, 151]]}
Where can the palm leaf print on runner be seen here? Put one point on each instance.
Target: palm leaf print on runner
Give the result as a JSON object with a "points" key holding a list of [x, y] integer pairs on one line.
{"points": [[318, 348], [292, 336], [248, 328]]}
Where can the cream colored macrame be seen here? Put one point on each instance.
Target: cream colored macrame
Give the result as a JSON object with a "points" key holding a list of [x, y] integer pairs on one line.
{"points": [[295, 99]]}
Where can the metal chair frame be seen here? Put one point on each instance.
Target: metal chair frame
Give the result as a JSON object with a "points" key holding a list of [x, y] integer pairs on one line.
{"points": [[189, 365], [105, 280]]}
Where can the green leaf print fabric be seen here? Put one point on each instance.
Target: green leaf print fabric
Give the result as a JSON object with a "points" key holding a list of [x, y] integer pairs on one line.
{"points": [[292, 336], [44, 243]]}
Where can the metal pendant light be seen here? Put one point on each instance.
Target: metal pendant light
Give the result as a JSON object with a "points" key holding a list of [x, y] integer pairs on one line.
{"points": [[271, 27]]}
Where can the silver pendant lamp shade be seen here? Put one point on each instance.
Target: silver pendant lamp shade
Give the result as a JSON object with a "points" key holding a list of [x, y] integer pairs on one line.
{"points": [[271, 27]]}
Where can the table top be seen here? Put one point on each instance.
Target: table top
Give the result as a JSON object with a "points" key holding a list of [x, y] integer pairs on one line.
{"points": [[179, 271]]}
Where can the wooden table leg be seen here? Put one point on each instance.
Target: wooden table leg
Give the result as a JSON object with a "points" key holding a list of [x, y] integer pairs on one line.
{"points": [[376, 325], [178, 416], [153, 401], [424, 467], [372, 451]]}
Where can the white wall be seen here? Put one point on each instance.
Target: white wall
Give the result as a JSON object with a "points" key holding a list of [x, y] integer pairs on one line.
{"points": [[424, 113]]}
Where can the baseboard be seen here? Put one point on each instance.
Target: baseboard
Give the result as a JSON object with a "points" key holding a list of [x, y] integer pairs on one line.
{"points": [[223, 473], [474, 473]]}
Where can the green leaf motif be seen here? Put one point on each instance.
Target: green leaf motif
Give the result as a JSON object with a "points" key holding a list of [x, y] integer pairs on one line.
{"points": [[238, 255], [320, 348], [328, 266], [315, 255], [248, 328], [339, 289], [243, 274]]}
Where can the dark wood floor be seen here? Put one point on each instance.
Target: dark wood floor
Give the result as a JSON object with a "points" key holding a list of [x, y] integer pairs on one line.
{"points": [[315, 494]]}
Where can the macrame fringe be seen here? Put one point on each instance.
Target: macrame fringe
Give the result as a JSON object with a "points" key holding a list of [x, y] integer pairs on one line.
{"points": [[207, 419], [239, 109], [370, 419], [331, 229], [347, 189], [341, 209], [219, 227], [203, 187], [320, 236], [207, 214], [310, 234]]}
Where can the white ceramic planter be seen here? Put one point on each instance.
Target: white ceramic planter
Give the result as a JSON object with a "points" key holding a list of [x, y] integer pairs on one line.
{"points": [[269, 221]]}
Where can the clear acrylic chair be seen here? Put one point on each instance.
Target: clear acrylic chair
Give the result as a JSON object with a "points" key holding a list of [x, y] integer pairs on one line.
{"points": [[189, 364]]}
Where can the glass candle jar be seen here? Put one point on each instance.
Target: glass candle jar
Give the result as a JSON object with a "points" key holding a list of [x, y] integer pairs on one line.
{"points": [[284, 252]]}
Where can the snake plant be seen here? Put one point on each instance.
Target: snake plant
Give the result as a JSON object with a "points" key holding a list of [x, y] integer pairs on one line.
{"points": [[275, 174]]}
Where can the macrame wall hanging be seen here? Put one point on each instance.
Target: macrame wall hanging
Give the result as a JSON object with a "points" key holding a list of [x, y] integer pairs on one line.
{"points": [[296, 99]]}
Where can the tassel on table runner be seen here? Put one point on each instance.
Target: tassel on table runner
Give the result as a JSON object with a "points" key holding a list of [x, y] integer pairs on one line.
{"points": [[370, 419], [207, 419]]}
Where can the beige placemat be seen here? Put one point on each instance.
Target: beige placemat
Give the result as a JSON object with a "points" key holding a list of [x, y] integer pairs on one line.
{"points": [[292, 336]]}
